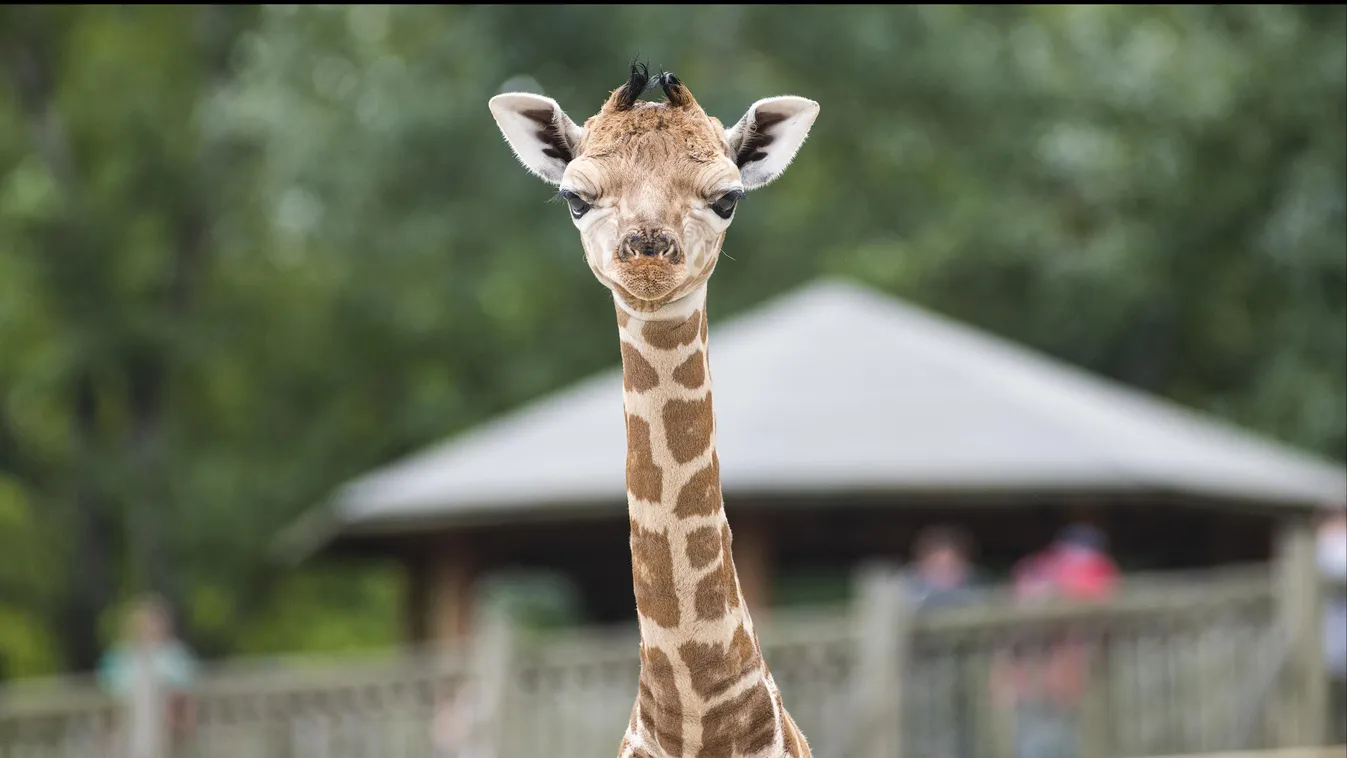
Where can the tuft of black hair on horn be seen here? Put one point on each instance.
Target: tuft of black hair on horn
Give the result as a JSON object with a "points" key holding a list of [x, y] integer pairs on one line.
{"points": [[637, 83], [674, 90]]}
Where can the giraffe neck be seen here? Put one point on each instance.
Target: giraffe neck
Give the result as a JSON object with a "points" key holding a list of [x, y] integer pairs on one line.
{"points": [[703, 681]]}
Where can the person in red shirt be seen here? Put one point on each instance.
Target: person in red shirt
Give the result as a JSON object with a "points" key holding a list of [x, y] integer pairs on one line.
{"points": [[1045, 678]]}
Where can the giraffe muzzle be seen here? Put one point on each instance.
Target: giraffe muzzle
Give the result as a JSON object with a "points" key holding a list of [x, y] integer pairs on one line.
{"points": [[650, 244]]}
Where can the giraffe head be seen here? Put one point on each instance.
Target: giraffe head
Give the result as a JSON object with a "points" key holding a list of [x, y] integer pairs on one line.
{"points": [[653, 186]]}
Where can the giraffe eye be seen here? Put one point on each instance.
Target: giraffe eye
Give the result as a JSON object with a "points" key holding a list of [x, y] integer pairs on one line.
{"points": [[724, 207], [578, 205]]}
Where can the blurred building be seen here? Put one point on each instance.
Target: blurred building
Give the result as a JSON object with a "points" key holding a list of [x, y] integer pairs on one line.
{"points": [[846, 421]]}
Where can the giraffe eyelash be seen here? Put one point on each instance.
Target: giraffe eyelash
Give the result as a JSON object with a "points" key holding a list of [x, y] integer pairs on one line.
{"points": [[578, 205]]}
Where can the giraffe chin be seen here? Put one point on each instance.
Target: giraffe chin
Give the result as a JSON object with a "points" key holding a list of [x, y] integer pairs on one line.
{"points": [[650, 280]]}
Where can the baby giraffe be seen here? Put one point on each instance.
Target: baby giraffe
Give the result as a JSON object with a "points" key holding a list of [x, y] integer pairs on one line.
{"points": [[652, 187]]}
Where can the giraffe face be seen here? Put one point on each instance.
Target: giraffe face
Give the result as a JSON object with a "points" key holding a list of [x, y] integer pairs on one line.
{"points": [[653, 186], [652, 192]]}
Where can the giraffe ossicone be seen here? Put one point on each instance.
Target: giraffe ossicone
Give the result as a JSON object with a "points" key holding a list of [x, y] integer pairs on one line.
{"points": [[652, 187]]}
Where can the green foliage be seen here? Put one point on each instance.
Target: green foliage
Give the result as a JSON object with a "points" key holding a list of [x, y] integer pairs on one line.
{"points": [[813, 587], [535, 602], [28, 572], [325, 609], [247, 253]]}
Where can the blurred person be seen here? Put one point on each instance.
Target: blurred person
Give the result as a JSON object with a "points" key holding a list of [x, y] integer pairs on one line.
{"points": [[1332, 555], [451, 724], [1045, 679], [942, 575], [455, 732], [1075, 566], [152, 673]]}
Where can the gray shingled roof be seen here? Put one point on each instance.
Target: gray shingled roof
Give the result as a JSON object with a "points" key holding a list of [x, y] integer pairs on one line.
{"points": [[835, 388]]}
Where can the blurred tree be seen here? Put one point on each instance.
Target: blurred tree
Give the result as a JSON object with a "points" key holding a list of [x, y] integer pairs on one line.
{"points": [[246, 253], [110, 203]]}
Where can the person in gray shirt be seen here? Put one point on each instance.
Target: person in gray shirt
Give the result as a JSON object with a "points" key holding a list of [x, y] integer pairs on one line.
{"points": [[941, 575]]}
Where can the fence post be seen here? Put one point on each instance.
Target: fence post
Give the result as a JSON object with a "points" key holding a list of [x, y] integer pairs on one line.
{"points": [[1300, 613], [883, 615], [490, 668], [1096, 721], [144, 731]]}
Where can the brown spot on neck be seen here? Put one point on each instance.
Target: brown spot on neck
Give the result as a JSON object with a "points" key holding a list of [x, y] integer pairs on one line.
{"points": [[644, 478], [718, 591], [715, 668], [653, 577], [671, 334], [637, 373], [703, 546], [661, 710], [700, 495], [691, 373], [688, 425], [742, 724]]}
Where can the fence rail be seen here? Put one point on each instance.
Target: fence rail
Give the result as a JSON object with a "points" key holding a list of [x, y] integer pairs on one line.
{"points": [[1172, 666]]}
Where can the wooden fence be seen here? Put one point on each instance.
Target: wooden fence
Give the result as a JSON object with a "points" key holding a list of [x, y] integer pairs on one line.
{"points": [[1177, 665]]}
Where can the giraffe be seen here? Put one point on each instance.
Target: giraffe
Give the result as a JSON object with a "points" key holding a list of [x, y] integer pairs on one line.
{"points": [[652, 187]]}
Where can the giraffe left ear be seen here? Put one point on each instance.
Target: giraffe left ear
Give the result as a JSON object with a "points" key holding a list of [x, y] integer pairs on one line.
{"points": [[765, 140], [542, 136]]}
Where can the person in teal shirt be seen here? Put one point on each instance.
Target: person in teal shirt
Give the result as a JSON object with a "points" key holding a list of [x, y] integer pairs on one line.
{"points": [[151, 672]]}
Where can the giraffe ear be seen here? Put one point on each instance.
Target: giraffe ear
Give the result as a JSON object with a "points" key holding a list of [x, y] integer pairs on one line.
{"points": [[542, 136], [766, 139]]}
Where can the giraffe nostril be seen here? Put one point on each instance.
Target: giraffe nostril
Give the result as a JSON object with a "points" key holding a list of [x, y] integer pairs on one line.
{"points": [[634, 244], [660, 245], [649, 245]]}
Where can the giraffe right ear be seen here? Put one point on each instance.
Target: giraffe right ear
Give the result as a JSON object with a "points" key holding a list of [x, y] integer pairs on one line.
{"points": [[542, 136], [765, 140]]}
